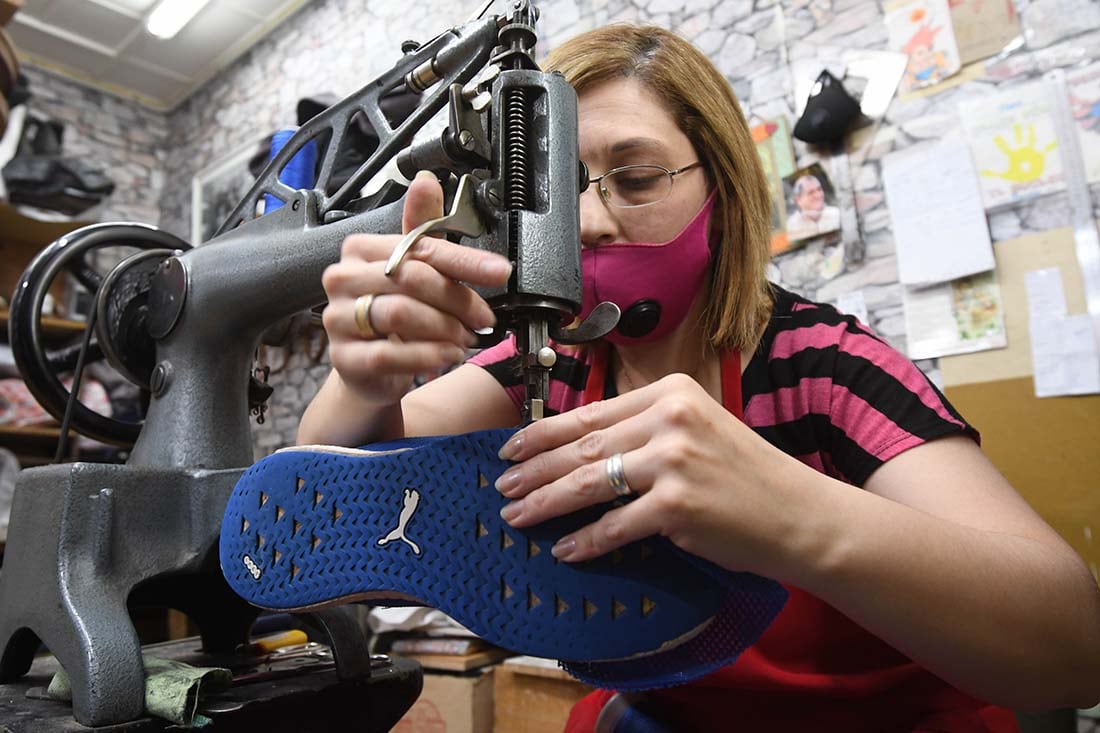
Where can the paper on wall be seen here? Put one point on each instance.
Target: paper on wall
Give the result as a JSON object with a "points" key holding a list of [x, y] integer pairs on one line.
{"points": [[1064, 353], [1015, 258], [935, 204], [984, 28], [1045, 296], [773, 144], [958, 317], [1014, 144], [773, 136], [1064, 356], [1083, 86], [922, 30]]}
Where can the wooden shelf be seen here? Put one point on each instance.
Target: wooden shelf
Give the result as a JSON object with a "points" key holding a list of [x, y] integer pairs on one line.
{"points": [[30, 431], [50, 325], [33, 445], [22, 237]]}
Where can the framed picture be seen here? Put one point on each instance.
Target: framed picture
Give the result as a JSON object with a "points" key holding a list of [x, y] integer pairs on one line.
{"points": [[811, 204], [217, 189]]}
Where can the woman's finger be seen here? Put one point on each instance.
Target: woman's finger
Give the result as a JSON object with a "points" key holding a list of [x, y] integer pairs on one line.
{"points": [[383, 357], [620, 526], [423, 201], [558, 430], [554, 467], [455, 261], [352, 278], [584, 486], [398, 315]]}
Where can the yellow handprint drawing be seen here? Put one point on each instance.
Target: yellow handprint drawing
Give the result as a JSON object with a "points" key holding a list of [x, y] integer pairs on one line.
{"points": [[1025, 162]]}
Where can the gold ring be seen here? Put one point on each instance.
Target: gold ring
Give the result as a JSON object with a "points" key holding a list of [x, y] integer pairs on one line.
{"points": [[362, 317]]}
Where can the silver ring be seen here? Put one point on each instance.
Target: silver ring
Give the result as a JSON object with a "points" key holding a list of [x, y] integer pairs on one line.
{"points": [[616, 478]]}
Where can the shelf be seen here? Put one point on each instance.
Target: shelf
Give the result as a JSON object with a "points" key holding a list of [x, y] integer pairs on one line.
{"points": [[50, 325], [33, 445], [30, 431], [22, 237]]}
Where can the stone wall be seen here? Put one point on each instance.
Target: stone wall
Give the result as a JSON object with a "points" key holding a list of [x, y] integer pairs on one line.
{"points": [[127, 140], [339, 45]]}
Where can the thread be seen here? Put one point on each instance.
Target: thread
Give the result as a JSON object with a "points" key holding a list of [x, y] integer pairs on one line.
{"points": [[298, 173]]}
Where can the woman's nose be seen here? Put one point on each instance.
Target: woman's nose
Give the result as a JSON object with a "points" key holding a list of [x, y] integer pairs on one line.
{"points": [[598, 225]]}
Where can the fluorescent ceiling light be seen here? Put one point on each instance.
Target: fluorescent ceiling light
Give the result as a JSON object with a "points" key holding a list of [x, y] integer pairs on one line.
{"points": [[170, 16]]}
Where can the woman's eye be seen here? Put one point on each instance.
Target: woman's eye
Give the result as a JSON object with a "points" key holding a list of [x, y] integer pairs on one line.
{"points": [[639, 182]]}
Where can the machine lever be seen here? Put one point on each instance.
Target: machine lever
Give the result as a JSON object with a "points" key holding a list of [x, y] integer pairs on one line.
{"points": [[463, 220], [603, 318]]}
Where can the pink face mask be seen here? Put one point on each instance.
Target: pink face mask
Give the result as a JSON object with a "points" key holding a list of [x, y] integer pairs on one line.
{"points": [[653, 284]]}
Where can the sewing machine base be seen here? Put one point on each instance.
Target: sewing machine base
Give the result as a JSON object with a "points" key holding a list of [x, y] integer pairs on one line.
{"points": [[306, 701], [87, 541]]}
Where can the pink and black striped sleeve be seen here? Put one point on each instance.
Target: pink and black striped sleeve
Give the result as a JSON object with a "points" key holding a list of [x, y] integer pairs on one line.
{"points": [[502, 361], [567, 378], [881, 404], [839, 398]]}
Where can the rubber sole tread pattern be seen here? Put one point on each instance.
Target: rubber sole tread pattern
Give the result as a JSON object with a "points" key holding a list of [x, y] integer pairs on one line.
{"points": [[303, 529]]}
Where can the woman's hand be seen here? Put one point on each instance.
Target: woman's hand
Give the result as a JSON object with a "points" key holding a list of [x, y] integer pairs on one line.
{"points": [[422, 315], [703, 479]]}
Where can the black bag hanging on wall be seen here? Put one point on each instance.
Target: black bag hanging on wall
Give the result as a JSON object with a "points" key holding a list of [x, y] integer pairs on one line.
{"points": [[40, 176]]}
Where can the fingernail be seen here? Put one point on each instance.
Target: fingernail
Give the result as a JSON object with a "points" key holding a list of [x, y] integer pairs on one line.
{"points": [[486, 318], [508, 481], [496, 267], [425, 176], [470, 339], [511, 511], [564, 548], [511, 448], [455, 354]]}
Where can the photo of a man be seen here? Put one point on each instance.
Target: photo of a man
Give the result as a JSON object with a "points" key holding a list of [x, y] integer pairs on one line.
{"points": [[812, 205]]}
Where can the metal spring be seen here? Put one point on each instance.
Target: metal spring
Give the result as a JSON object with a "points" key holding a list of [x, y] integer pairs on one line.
{"points": [[515, 122]]}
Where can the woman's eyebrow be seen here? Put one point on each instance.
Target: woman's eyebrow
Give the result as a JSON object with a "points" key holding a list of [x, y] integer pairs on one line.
{"points": [[636, 142]]}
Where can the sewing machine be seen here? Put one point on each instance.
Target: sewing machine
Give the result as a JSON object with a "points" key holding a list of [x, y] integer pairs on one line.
{"points": [[86, 540]]}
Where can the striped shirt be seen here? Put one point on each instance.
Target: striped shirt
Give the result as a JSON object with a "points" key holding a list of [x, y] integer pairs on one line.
{"points": [[821, 387], [824, 389]]}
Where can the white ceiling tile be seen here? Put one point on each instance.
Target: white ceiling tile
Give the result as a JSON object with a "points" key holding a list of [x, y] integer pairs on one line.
{"points": [[87, 39], [86, 63], [213, 30], [97, 23]]}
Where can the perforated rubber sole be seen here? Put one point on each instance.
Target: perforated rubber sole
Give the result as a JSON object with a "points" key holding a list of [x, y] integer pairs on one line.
{"points": [[418, 522]]}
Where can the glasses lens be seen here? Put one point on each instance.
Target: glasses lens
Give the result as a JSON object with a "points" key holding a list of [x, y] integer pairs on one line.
{"points": [[638, 185]]}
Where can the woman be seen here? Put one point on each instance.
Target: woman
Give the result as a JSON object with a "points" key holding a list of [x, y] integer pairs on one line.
{"points": [[759, 430]]}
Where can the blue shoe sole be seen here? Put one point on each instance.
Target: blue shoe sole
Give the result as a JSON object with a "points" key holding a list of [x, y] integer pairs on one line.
{"points": [[305, 528]]}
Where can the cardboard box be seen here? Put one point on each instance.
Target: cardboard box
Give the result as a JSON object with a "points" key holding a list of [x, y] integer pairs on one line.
{"points": [[451, 703], [533, 696]]}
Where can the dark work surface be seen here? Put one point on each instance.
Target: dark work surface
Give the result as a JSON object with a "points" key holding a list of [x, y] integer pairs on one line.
{"points": [[297, 696]]}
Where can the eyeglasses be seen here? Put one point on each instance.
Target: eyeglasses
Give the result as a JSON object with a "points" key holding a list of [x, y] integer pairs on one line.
{"points": [[633, 186]]}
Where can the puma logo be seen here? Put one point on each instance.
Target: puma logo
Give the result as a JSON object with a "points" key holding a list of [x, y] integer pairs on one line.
{"points": [[412, 501], [253, 570]]}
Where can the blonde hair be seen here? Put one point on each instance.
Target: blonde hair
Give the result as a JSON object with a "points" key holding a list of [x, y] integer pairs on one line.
{"points": [[702, 103]]}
